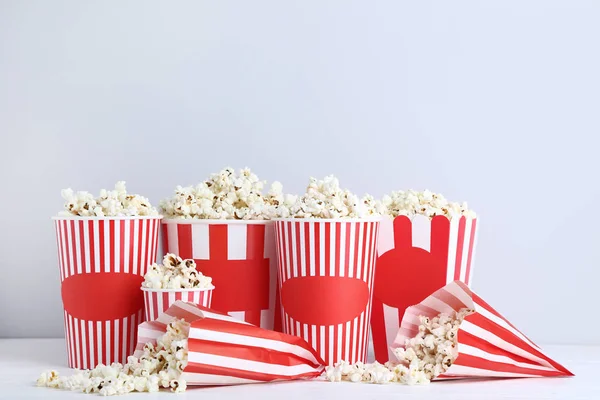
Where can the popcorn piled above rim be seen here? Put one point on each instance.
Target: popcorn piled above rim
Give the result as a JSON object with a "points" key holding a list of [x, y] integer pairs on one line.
{"points": [[411, 203], [159, 366], [175, 273], [326, 199], [110, 203], [425, 357], [227, 195]]}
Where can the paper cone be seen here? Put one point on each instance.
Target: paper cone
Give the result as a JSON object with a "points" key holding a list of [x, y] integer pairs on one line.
{"points": [[326, 270], [157, 301], [223, 350], [424, 255], [488, 344], [102, 262], [239, 256]]}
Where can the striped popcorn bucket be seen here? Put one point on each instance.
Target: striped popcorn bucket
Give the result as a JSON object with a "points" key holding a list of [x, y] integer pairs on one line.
{"points": [[488, 344], [415, 258], [102, 262], [157, 301], [223, 350], [326, 270], [240, 258]]}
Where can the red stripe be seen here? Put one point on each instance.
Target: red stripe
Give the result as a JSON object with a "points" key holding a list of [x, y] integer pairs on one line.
{"points": [[469, 339], [88, 346], [317, 249], [91, 249], [297, 262], [471, 247], [402, 232], [73, 341], [59, 249], [165, 238], [74, 247], [237, 373], [144, 267], [184, 240], [459, 247], [440, 239], [82, 249], [355, 260], [138, 236], [448, 298], [122, 245], [252, 317], [101, 244], [122, 332], [112, 245], [307, 249], [255, 242], [338, 250], [218, 242], [327, 249], [130, 244], [277, 317], [378, 329], [481, 363], [93, 344]]}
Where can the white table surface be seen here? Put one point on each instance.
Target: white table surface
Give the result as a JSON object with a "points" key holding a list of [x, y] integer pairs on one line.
{"points": [[22, 360]]}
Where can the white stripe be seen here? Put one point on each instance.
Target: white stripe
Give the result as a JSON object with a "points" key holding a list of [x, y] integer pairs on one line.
{"points": [[248, 365], [347, 350], [78, 247], [392, 324], [286, 243], [294, 265], [106, 249], [86, 246], [150, 249], [207, 314], [305, 332], [330, 345], [452, 247], [355, 336], [299, 331], [437, 305], [342, 250], [126, 246], [143, 266], [266, 319], [96, 230], [455, 290], [136, 239], [117, 239], [197, 379], [75, 323], [314, 336], [351, 266], [359, 256], [153, 313], [236, 242], [302, 249], [421, 232], [322, 249], [321, 348], [132, 330], [84, 338], [70, 249], [90, 328], [386, 235], [312, 247], [499, 342], [461, 370], [170, 301], [200, 241], [99, 341], [63, 239], [465, 251], [366, 255], [59, 249], [333, 249], [474, 351], [125, 336], [361, 329], [340, 341], [239, 315], [108, 338], [477, 229], [116, 332], [67, 338]]}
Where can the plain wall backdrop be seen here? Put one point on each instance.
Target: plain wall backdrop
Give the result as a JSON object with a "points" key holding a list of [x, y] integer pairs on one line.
{"points": [[492, 102]]}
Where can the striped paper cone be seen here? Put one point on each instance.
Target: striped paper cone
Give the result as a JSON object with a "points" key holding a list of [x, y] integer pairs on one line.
{"points": [[102, 262], [239, 256], [423, 254], [223, 350], [157, 301], [488, 344], [326, 270]]}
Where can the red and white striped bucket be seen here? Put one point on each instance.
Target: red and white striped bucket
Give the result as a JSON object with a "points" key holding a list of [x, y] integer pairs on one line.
{"points": [[326, 270], [415, 258], [240, 258], [102, 262], [157, 301]]}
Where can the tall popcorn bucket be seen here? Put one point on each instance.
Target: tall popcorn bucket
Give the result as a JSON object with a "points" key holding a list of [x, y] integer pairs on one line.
{"points": [[102, 261], [239, 255], [157, 301], [326, 271], [415, 258]]}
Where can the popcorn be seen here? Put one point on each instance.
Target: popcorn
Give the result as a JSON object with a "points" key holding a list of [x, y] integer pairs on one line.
{"points": [[325, 199], [227, 195], [114, 203], [159, 366], [411, 203], [175, 273]]}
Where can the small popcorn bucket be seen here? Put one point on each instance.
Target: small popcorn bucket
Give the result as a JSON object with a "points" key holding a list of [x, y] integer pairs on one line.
{"points": [[240, 258], [102, 262], [326, 270], [157, 301], [415, 258], [223, 350], [488, 344]]}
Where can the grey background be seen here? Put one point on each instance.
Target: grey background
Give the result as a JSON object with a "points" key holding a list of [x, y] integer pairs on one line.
{"points": [[493, 102]]}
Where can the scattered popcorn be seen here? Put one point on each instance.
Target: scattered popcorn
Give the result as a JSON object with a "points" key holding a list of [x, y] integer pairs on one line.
{"points": [[161, 365], [376, 373], [325, 199], [113, 203], [175, 273], [426, 203], [227, 195]]}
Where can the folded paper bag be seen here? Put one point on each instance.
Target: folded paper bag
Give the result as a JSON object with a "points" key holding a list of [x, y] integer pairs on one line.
{"points": [[488, 344], [225, 351]]}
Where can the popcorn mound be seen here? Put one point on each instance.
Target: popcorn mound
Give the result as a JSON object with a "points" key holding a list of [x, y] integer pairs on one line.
{"points": [[175, 273], [325, 199], [161, 365], [227, 195], [411, 203], [426, 356], [112, 203]]}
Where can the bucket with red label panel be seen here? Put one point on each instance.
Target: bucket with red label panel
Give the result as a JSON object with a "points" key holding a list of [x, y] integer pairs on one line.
{"points": [[326, 271], [102, 261], [239, 256]]}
